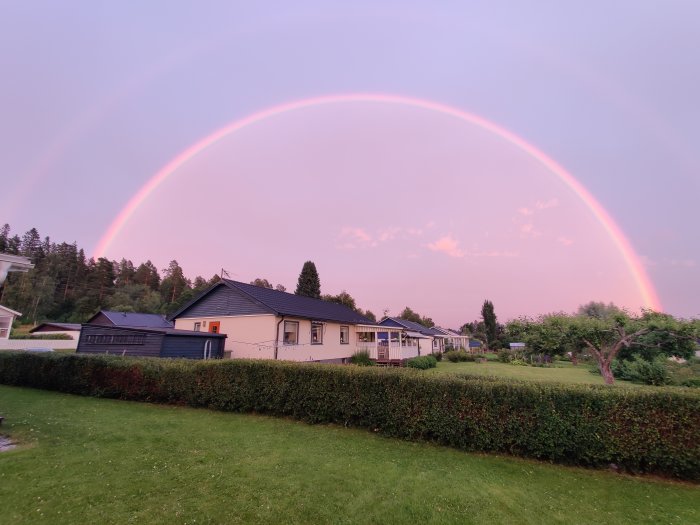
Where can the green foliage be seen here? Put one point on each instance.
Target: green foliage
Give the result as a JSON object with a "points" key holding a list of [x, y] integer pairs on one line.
{"points": [[64, 337], [459, 356], [488, 315], [422, 362], [309, 283], [409, 315], [505, 356], [639, 430], [639, 370], [361, 358]]}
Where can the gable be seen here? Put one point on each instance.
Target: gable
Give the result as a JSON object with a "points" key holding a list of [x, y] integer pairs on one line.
{"points": [[222, 301]]}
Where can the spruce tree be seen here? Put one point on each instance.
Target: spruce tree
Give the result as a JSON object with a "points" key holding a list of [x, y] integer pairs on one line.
{"points": [[490, 323], [309, 285]]}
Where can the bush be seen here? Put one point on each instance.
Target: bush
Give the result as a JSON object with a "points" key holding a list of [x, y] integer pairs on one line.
{"points": [[438, 356], [49, 337], [640, 430], [422, 362], [455, 356], [504, 356], [361, 358], [640, 370]]}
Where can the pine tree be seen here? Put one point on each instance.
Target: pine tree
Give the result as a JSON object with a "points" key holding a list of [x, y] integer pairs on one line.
{"points": [[309, 284]]}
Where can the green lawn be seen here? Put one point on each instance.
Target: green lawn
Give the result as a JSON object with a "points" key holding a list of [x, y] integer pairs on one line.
{"points": [[561, 371], [86, 460]]}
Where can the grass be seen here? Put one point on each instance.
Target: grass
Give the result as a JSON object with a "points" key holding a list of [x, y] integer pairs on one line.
{"points": [[86, 460], [561, 372]]}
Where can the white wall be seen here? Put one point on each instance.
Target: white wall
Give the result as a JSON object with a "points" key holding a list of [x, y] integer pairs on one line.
{"points": [[21, 344]]}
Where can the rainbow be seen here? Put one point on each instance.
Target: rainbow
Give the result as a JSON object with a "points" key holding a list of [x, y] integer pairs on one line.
{"points": [[632, 260]]}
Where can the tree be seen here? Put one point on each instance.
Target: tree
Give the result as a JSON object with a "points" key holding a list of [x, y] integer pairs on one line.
{"points": [[281, 288], [174, 283], [490, 323], [599, 310], [368, 314], [343, 298], [263, 283], [605, 338], [309, 284]]}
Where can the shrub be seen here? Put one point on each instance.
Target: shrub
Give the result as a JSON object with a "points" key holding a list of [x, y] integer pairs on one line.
{"points": [[640, 370], [640, 430], [422, 362], [456, 356], [504, 356], [50, 337], [361, 358], [438, 356]]}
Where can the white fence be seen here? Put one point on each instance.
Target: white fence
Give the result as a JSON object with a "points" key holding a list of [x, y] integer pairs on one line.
{"points": [[23, 344]]}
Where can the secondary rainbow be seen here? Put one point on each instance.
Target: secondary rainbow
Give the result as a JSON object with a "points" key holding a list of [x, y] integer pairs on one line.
{"points": [[633, 262]]}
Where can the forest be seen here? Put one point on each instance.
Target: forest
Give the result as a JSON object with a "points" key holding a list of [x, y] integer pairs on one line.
{"points": [[67, 286]]}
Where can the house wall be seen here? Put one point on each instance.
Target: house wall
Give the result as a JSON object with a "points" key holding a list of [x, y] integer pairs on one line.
{"points": [[330, 350], [5, 326], [151, 346], [253, 337], [248, 336], [191, 347]]}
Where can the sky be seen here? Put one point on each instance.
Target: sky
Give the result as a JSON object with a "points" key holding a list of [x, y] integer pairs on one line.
{"points": [[538, 154]]}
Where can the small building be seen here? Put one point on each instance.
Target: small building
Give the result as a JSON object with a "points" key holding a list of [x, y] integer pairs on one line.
{"points": [[475, 345], [456, 340], [269, 324], [427, 340], [131, 319], [70, 329], [150, 342], [7, 317]]}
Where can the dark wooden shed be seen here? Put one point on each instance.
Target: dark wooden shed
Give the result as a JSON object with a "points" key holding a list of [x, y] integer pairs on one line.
{"points": [[150, 342]]}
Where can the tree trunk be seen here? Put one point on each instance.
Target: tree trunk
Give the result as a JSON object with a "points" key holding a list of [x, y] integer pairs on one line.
{"points": [[604, 366]]}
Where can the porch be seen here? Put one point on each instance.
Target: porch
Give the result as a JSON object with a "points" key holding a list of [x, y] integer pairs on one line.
{"points": [[385, 345]]}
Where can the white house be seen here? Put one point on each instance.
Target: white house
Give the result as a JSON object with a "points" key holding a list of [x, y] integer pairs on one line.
{"points": [[269, 324], [7, 316]]}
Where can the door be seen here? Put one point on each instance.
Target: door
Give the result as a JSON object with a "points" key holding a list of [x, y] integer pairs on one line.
{"points": [[214, 327]]}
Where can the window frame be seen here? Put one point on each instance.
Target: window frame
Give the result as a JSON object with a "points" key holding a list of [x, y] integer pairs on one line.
{"points": [[285, 332], [319, 327], [347, 332]]}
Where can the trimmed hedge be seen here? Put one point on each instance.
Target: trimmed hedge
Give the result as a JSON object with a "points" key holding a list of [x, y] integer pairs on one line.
{"points": [[422, 362], [638, 430]]}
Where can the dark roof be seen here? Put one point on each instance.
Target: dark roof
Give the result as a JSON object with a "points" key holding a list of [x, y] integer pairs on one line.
{"points": [[60, 326], [156, 330], [474, 343], [283, 303], [416, 327], [135, 319]]}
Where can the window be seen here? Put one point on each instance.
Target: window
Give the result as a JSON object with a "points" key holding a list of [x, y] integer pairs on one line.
{"points": [[291, 333], [316, 333], [365, 337], [344, 335], [197, 327], [115, 339]]}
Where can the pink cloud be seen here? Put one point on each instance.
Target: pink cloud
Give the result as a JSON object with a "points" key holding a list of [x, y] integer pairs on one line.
{"points": [[565, 241], [447, 245], [551, 203], [525, 211]]}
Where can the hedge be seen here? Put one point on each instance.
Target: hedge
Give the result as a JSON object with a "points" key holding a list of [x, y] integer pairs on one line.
{"points": [[636, 429]]}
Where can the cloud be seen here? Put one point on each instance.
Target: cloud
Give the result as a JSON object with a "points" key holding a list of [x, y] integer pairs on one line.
{"points": [[352, 237], [525, 211], [551, 203], [565, 241], [528, 230], [506, 254], [447, 245]]}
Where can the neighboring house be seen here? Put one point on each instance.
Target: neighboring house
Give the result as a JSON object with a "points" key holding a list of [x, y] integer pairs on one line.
{"points": [[133, 319], [455, 339], [268, 324], [475, 345], [149, 342], [426, 340], [70, 329], [517, 346], [7, 316]]}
